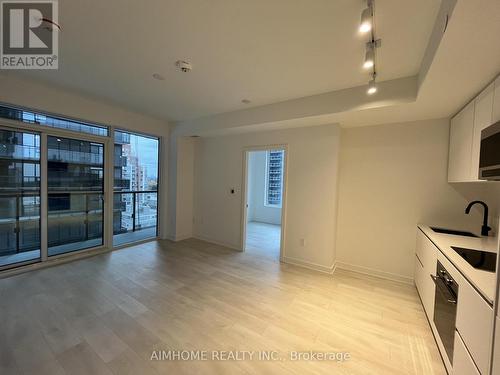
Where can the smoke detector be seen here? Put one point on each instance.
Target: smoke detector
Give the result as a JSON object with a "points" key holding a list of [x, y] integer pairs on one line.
{"points": [[184, 66]]}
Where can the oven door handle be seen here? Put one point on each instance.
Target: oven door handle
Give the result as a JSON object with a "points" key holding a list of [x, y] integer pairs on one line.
{"points": [[444, 290]]}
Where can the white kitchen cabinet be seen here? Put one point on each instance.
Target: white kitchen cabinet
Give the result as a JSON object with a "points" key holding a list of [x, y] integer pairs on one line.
{"points": [[425, 287], [465, 133], [461, 132], [426, 252], [496, 357], [496, 101], [475, 324], [425, 265], [483, 112], [462, 361]]}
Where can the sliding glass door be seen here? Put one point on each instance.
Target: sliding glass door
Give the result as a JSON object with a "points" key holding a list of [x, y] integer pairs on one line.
{"points": [[75, 171], [19, 197], [67, 186]]}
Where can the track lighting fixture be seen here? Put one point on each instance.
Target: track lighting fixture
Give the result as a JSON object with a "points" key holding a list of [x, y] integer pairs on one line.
{"points": [[366, 24], [372, 85]]}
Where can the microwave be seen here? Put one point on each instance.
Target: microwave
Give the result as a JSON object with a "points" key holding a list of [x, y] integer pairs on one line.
{"points": [[489, 156]]}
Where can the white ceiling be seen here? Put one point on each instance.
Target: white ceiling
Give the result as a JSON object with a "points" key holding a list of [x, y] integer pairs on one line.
{"points": [[466, 60], [263, 50]]}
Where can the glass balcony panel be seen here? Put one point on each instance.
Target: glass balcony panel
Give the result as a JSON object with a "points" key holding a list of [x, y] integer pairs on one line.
{"points": [[75, 222], [129, 224], [75, 201]]}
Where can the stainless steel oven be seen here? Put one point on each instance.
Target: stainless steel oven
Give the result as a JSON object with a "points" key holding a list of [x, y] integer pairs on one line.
{"points": [[489, 157], [445, 308]]}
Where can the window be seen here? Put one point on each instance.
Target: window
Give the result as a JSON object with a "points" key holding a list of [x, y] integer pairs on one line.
{"points": [[31, 117], [135, 212], [72, 168], [274, 177]]}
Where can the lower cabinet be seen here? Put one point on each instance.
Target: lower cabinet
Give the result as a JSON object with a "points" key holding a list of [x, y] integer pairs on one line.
{"points": [[462, 361], [496, 356], [425, 287], [475, 324], [425, 266]]}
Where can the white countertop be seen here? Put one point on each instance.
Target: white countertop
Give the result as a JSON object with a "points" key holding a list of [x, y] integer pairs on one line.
{"points": [[483, 281]]}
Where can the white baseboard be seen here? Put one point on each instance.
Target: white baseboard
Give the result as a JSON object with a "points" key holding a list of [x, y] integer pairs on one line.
{"points": [[215, 242], [179, 237], [170, 237], [183, 237], [309, 265], [374, 272]]}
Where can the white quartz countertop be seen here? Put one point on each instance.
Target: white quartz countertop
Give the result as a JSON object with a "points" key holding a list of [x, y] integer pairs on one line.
{"points": [[483, 281]]}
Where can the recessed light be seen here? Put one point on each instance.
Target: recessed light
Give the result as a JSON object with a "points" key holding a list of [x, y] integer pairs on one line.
{"points": [[158, 76], [246, 101]]}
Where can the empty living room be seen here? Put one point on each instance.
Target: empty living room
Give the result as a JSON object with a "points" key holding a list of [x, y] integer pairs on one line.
{"points": [[249, 187]]}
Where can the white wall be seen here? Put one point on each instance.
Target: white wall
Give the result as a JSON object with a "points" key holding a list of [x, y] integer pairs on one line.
{"points": [[257, 210], [184, 188], [311, 172], [36, 95], [391, 178]]}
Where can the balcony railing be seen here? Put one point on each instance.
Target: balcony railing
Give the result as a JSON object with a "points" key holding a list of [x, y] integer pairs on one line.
{"points": [[134, 210], [72, 217], [76, 157], [19, 222], [20, 152]]}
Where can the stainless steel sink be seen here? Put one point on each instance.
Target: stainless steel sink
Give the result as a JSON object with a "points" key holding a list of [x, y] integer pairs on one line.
{"points": [[453, 232]]}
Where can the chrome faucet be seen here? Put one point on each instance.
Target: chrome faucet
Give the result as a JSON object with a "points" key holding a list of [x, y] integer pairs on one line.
{"points": [[485, 228]]}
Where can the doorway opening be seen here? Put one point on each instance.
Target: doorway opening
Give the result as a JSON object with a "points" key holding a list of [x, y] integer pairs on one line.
{"points": [[264, 203]]}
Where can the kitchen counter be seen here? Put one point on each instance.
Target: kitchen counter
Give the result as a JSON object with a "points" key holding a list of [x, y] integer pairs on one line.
{"points": [[483, 281]]}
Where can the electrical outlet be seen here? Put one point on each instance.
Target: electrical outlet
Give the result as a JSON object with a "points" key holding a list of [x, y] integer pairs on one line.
{"points": [[303, 242]]}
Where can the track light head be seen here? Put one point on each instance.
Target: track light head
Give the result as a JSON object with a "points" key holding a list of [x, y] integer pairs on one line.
{"points": [[372, 85], [369, 58], [366, 20], [372, 88]]}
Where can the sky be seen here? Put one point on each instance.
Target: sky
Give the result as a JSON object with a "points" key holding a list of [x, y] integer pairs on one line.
{"points": [[146, 150]]}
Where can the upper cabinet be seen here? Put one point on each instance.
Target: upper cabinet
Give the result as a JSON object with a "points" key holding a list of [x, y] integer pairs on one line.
{"points": [[465, 133], [496, 101], [483, 113], [461, 131]]}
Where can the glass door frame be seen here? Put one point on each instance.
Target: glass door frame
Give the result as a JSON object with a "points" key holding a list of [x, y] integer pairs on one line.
{"points": [[44, 132], [17, 226]]}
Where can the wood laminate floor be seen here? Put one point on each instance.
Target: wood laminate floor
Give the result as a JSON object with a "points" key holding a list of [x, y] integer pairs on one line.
{"points": [[107, 314], [263, 239]]}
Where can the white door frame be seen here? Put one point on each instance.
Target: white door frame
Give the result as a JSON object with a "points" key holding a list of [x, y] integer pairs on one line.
{"points": [[244, 193]]}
